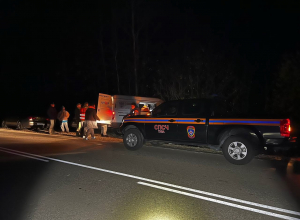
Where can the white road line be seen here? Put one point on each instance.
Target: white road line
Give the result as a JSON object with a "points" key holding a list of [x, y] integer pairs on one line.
{"points": [[220, 202], [23, 155], [165, 184]]}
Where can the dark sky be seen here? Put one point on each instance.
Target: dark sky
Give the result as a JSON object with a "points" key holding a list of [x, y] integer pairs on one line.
{"points": [[51, 50]]}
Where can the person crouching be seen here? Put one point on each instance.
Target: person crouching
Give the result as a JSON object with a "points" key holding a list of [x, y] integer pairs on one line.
{"points": [[91, 121]]}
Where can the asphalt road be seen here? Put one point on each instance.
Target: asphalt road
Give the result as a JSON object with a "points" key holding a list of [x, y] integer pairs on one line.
{"points": [[64, 177]]}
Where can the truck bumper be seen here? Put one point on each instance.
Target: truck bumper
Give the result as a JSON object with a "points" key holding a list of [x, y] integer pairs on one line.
{"points": [[115, 125], [285, 144]]}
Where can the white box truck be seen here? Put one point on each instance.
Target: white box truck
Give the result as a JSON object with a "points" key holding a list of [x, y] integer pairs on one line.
{"points": [[112, 109]]}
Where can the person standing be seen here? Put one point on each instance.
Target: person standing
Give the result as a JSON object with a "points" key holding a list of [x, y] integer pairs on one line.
{"points": [[82, 119], [77, 119], [52, 114], [91, 118], [104, 130], [63, 116], [134, 110]]}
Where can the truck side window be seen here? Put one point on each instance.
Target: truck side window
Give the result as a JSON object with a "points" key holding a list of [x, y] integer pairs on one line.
{"points": [[195, 107], [157, 111], [166, 109], [219, 108], [170, 108]]}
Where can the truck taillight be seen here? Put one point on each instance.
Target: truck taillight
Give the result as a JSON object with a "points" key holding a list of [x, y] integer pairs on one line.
{"points": [[285, 127], [113, 115]]}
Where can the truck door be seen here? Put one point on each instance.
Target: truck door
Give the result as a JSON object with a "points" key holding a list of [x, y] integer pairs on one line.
{"points": [[122, 108], [192, 124], [163, 123], [104, 109]]}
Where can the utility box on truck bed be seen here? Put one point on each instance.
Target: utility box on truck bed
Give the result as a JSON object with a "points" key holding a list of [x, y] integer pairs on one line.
{"points": [[112, 109]]}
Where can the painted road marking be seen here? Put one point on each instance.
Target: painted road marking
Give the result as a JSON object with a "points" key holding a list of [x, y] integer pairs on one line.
{"points": [[219, 201], [23, 155], [56, 135], [163, 183]]}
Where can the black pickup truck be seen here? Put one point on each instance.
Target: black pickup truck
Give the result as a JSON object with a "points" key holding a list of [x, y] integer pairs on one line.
{"points": [[205, 122]]}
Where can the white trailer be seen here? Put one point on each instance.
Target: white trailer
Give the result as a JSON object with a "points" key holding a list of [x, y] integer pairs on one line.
{"points": [[112, 109]]}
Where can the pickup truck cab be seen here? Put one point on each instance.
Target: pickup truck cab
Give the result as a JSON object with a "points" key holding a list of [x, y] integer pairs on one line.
{"points": [[204, 122]]}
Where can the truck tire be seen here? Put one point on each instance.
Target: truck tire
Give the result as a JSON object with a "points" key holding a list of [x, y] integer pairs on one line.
{"points": [[117, 131], [133, 139], [238, 150]]}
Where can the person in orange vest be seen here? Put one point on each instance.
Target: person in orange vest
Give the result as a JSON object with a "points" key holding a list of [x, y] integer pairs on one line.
{"points": [[134, 110], [77, 119], [145, 110], [82, 118]]}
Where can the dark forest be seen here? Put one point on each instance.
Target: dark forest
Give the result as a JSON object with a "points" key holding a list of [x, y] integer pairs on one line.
{"points": [[67, 52]]}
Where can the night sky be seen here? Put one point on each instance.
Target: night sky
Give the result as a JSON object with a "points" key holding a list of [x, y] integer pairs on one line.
{"points": [[69, 51]]}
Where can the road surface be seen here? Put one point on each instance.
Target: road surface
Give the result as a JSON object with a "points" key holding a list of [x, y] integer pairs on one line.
{"points": [[65, 177]]}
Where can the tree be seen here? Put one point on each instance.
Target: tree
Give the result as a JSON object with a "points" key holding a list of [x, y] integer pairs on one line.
{"points": [[204, 72], [286, 92]]}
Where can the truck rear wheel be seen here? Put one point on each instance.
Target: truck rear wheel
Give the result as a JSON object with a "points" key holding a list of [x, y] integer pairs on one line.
{"points": [[133, 139], [238, 150]]}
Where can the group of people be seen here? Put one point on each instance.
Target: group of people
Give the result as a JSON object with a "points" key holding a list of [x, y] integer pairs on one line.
{"points": [[85, 118]]}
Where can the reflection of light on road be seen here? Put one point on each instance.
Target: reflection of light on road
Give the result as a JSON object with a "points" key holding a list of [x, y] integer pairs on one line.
{"points": [[159, 217], [292, 177], [290, 166]]}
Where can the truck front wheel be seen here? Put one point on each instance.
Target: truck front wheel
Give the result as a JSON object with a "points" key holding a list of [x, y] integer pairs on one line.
{"points": [[133, 139], [238, 150]]}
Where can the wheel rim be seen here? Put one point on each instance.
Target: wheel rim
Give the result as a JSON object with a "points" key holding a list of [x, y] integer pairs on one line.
{"points": [[237, 150], [131, 140]]}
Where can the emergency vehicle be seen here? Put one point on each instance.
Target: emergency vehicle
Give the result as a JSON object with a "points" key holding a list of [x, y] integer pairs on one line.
{"points": [[204, 122]]}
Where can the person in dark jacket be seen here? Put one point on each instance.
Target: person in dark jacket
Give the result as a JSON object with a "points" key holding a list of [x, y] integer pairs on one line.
{"points": [[82, 118], [52, 114], [77, 119], [91, 121]]}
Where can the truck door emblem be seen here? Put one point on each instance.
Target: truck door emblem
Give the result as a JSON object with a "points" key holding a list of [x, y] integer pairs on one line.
{"points": [[161, 128], [191, 131]]}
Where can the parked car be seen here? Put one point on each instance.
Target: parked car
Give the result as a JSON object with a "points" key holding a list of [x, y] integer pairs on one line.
{"points": [[202, 122], [28, 122]]}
